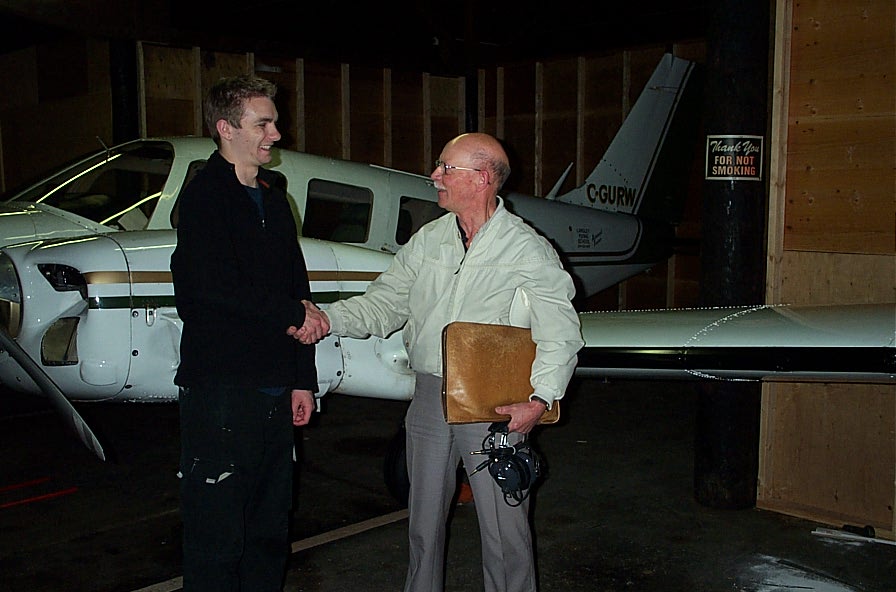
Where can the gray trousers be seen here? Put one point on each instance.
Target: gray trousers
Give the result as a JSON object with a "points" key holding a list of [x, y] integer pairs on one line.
{"points": [[433, 451]]}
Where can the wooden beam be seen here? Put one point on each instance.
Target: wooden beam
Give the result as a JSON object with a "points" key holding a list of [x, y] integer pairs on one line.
{"points": [[778, 153], [346, 111]]}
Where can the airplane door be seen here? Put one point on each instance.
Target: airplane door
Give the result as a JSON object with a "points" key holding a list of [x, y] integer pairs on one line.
{"points": [[155, 327], [155, 342]]}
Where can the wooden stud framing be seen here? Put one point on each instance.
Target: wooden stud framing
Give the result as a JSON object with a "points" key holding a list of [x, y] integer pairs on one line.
{"points": [[428, 157], [346, 111], [499, 115], [387, 116], [197, 92], [581, 84], [300, 105]]}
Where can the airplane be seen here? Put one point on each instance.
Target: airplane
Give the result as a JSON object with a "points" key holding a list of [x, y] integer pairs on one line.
{"points": [[87, 304]]}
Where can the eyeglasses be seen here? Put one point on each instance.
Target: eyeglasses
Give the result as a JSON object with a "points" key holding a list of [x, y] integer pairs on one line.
{"points": [[449, 167]]}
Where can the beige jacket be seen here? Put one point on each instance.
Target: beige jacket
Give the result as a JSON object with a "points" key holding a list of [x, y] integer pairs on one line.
{"points": [[510, 275]]}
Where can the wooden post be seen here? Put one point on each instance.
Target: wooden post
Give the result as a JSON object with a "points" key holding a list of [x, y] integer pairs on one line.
{"points": [[735, 193]]}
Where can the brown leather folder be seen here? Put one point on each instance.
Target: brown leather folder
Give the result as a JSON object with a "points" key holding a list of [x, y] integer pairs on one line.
{"points": [[485, 366]]}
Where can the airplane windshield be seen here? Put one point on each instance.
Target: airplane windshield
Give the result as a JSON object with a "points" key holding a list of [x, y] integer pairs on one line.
{"points": [[118, 188]]}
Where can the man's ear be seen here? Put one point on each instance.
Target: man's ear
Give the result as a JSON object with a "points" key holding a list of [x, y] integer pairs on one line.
{"points": [[224, 129]]}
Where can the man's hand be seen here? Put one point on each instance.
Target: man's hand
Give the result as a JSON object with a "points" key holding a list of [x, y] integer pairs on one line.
{"points": [[302, 407], [316, 325], [523, 416]]}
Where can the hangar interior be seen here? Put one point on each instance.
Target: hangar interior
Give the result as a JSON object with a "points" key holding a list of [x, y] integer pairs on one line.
{"points": [[831, 210]]}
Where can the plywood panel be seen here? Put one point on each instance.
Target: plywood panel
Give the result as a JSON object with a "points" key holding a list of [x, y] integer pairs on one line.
{"points": [[559, 119], [842, 130], [323, 104], [838, 212], [446, 110], [67, 114], [641, 64], [62, 68], [855, 84], [601, 109], [834, 278], [20, 67], [519, 125], [840, 145], [488, 101], [171, 117], [171, 91], [169, 72], [215, 65], [828, 453], [367, 115], [84, 118], [282, 72], [407, 123], [832, 30]]}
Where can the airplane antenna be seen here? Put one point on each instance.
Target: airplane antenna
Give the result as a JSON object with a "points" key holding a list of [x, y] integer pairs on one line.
{"points": [[106, 148], [555, 190]]}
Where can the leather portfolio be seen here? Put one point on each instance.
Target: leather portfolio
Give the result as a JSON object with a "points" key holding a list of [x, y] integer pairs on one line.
{"points": [[485, 366]]}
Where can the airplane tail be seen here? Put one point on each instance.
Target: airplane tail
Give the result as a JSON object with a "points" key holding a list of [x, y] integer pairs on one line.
{"points": [[645, 170]]}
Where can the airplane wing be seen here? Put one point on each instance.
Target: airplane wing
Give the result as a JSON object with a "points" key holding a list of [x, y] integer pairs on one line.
{"points": [[836, 343]]}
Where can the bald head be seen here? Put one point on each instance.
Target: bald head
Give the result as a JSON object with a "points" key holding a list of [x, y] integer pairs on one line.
{"points": [[487, 153]]}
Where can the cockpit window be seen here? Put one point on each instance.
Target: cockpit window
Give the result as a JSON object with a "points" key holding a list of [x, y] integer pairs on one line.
{"points": [[337, 212], [414, 213], [117, 188]]}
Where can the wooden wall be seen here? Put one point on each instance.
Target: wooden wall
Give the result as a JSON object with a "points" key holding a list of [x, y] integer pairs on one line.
{"points": [[557, 112], [828, 452], [56, 103], [549, 114]]}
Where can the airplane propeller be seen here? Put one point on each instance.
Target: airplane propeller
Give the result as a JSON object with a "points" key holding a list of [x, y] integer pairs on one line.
{"points": [[67, 411]]}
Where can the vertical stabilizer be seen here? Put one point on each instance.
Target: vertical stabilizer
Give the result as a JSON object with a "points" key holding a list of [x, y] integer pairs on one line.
{"points": [[645, 170]]}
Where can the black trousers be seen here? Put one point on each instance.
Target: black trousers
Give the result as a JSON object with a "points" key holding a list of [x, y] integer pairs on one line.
{"points": [[236, 488]]}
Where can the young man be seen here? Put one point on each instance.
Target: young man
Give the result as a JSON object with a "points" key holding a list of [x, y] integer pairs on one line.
{"points": [[244, 383], [483, 264]]}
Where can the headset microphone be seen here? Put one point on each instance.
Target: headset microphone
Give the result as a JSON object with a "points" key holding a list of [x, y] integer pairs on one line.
{"points": [[514, 467]]}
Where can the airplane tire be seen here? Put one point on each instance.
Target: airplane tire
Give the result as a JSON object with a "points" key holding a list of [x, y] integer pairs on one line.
{"points": [[395, 468]]}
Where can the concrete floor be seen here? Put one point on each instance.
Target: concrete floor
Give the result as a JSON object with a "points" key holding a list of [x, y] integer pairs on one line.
{"points": [[615, 513]]}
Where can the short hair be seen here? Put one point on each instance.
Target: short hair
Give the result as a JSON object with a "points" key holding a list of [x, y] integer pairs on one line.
{"points": [[499, 169], [226, 100]]}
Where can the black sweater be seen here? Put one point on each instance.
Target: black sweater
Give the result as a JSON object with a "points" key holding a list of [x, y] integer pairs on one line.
{"points": [[238, 282]]}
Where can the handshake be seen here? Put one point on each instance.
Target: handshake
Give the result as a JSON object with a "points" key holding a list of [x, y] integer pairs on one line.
{"points": [[315, 327]]}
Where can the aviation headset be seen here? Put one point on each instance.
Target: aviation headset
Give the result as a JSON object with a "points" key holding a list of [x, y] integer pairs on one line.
{"points": [[514, 467]]}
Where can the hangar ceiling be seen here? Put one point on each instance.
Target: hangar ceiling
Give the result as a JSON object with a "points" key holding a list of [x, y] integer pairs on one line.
{"points": [[439, 37]]}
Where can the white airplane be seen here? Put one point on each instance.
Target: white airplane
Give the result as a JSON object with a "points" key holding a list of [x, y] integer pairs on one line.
{"points": [[87, 304]]}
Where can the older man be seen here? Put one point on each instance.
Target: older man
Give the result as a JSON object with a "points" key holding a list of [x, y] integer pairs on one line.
{"points": [[477, 263]]}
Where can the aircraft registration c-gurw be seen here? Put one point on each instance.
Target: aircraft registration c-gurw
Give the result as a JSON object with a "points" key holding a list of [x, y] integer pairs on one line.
{"points": [[87, 304]]}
